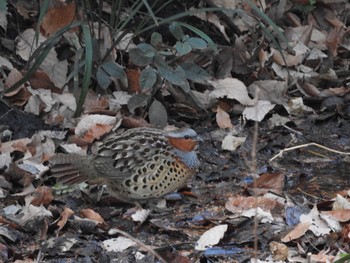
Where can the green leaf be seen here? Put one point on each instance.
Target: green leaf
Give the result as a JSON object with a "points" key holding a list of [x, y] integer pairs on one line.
{"points": [[158, 116], [176, 77], [148, 78], [113, 69], [195, 72], [3, 5], [196, 43], [201, 34], [108, 70], [147, 50], [137, 101], [142, 55], [176, 30], [156, 39], [102, 78], [182, 48]]}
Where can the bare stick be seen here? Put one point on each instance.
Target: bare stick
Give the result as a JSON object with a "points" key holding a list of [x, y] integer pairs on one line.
{"points": [[307, 145]]}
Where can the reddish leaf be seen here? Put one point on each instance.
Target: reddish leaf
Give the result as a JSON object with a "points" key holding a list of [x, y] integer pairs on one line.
{"points": [[268, 182], [58, 17], [66, 214], [133, 76], [42, 196]]}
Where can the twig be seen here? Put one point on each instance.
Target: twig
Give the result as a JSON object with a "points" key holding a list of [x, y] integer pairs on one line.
{"points": [[254, 146], [292, 130], [151, 250], [305, 193], [307, 145]]}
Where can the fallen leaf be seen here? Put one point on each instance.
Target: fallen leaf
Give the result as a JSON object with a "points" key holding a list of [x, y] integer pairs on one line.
{"points": [[297, 232], [223, 119], [90, 122], [140, 215], [118, 244], [232, 89], [279, 251], [211, 237], [258, 111], [42, 196], [66, 214], [92, 215], [58, 17], [273, 182], [133, 76], [231, 143], [239, 204]]}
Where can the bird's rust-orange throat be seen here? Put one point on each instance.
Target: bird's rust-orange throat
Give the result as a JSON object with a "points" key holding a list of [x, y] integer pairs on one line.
{"points": [[185, 145]]}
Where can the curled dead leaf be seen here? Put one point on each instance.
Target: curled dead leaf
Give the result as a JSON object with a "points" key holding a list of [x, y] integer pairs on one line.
{"points": [[42, 196], [223, 119]]}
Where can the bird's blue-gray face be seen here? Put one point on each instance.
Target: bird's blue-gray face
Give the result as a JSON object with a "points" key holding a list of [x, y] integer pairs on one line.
{"points": [[185, 143]]}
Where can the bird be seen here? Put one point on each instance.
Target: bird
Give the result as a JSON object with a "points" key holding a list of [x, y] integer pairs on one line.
{"points": [[136, 165]]}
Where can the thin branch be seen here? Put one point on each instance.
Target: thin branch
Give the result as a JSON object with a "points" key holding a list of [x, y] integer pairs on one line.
{"points": [[307, 145]]}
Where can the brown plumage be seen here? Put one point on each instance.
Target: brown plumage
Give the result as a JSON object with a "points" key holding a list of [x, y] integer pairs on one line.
{"points": [[139, 164]]}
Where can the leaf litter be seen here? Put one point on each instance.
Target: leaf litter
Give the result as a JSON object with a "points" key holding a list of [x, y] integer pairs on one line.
{"points": [[297, 92]]}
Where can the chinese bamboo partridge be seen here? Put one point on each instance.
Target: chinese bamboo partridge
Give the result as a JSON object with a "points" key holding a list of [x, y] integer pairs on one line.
{"points": [[139, 164]]}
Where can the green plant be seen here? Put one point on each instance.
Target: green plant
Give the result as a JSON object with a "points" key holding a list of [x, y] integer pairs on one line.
{"points": [[156, 59]]}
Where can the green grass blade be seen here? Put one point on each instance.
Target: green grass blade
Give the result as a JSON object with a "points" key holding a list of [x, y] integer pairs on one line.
{"points": [[150, 12], [87, 71]]}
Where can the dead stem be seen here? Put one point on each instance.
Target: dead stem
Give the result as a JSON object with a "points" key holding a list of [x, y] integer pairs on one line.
{"points": [[254, 170], [307, 145]]}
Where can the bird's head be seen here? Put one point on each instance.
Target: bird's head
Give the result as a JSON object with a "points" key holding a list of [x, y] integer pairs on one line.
{"points": [[184, 140]]}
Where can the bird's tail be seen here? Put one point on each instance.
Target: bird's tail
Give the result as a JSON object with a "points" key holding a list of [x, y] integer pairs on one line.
{"points": [[69, 169]]}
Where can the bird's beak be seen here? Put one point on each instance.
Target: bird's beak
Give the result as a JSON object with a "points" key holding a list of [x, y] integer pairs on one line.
{"points": [[198, 139]]}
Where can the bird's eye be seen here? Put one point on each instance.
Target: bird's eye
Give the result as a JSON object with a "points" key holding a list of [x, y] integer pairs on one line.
{"points": [[186, 137]]}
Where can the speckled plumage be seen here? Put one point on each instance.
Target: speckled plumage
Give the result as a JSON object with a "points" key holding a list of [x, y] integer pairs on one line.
{"points": [[139, 164]]}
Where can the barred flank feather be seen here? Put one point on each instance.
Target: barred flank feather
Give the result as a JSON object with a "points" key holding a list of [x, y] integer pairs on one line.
{"points": [[71, 169]]}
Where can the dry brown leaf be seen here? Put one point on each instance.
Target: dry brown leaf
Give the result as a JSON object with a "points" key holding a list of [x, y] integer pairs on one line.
{"points": [[13, 77], [92, 215], [341, 91], [96, 132], [133, 76], [132, 122], [94, 102], [279, 251], [40, 80], [66, 214], [42, 196], [306, 36], [291, 60], [342, 215], [322, 257], [17, 145], [58, 17], [311, 90], [241, 203], [263, 57], [223, 119], [268, 182], [335, 22], [333, 40], [9, 223], [297, 232]]}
